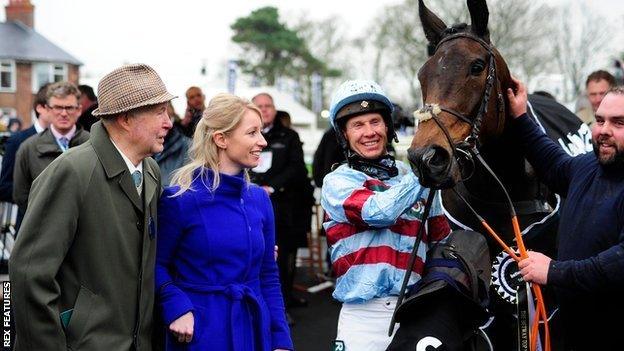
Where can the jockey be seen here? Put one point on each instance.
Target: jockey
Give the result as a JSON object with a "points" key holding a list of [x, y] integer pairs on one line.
{"points": [[374, 207]]}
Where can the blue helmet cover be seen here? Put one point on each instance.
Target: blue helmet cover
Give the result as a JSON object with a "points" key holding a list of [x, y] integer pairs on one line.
{"points": [[357, 90]]}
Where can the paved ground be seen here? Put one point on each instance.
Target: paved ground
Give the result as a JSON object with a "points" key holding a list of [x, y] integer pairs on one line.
{"points": [[315, 325]]}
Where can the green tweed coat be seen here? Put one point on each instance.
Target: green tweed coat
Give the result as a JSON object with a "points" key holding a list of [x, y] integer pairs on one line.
{"points": [[86, 250]]}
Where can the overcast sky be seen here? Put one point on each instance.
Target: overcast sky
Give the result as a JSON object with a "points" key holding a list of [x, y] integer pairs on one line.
{"points": [[177, 37]]}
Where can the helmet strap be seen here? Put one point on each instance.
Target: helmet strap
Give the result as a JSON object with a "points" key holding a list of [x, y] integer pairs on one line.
{"points": [[382, 168]]}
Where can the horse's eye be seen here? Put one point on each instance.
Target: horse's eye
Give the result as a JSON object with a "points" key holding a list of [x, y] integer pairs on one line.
{"points": [[477, 67]]}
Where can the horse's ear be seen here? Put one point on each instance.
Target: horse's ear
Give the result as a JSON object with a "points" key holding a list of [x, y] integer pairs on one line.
{"points": [[432, 25], [479, 18]]}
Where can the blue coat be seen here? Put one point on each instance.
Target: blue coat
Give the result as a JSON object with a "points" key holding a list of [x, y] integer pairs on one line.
{"points": [[215, 258]]}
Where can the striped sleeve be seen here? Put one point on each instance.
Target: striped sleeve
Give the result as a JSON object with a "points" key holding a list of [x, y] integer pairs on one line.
{"points": [[347, 199], [438, 227]]}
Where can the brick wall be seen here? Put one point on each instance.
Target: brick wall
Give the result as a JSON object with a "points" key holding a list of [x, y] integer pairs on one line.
{"points": [[7, 100], [73, 74], [24, 98]]}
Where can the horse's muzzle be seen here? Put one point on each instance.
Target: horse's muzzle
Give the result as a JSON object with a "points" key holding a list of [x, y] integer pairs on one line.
{"points": [[434, 167]]}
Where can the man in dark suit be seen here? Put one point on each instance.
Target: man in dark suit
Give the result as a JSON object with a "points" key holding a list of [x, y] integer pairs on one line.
{"points": [[88, 104], [282, 174], [13, 143], [83, 265]]}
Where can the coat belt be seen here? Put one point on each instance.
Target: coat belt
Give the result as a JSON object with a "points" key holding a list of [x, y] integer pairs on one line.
{"points": [[241, 295]]}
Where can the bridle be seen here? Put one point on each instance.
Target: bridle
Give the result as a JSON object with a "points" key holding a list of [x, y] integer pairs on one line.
{"points": [[464, 149]]}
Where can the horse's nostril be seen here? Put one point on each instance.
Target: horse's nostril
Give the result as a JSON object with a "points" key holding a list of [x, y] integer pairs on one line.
{"points": [[436, 158], [432, 165]]}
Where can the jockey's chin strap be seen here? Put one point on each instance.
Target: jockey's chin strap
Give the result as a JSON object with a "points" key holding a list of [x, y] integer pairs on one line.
{"points": [[382, 168]]}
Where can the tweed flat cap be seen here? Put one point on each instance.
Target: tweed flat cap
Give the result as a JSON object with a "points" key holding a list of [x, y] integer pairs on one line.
{"points": [[129, 87]]}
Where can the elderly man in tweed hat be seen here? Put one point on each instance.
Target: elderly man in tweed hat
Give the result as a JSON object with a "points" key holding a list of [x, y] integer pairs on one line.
{"points": [[83, 266]]}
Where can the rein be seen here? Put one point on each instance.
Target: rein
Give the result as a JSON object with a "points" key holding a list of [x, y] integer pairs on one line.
{"points": [[468, 149], [412, 259]]}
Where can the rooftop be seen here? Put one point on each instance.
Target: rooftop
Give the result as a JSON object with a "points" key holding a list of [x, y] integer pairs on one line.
{"points": [[22, 43]]}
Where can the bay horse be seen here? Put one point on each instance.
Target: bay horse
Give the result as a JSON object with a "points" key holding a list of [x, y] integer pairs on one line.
{"points": [[464, 85]]}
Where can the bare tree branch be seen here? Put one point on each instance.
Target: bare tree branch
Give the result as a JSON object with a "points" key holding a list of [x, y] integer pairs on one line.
{"points": [[580, 36]]}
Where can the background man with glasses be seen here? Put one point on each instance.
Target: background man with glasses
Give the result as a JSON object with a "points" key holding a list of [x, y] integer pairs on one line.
{"points": [[38, 151]]}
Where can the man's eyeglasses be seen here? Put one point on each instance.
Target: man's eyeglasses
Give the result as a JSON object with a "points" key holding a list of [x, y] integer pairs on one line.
{"points": [[59, 109]]}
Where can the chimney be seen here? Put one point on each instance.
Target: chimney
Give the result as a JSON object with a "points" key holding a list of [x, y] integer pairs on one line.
{"points": [[21, 10]]}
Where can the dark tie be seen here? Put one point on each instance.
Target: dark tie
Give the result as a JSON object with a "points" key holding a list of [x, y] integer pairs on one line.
{"points": [[137, 178]]}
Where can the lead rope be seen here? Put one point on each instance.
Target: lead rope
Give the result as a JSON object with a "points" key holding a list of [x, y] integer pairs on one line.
{"points": [[537, 291], [412, 259]]}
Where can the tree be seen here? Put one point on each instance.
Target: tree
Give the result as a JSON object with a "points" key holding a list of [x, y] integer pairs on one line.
{"points": [[267, 43], [393, 50], [272, 50], [581, 36], [328, 40], [523, 32], [399, 46]]}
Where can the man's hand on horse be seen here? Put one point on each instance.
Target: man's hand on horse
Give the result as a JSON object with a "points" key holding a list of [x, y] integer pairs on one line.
{"points": [[535, 268], [518, 98]]}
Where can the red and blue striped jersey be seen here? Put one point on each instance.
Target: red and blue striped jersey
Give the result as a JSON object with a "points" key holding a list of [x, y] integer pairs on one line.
{"points": [[371, 228]]}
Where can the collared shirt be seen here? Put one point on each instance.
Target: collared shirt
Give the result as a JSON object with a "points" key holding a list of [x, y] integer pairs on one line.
{"points": [[38, 127], [267, 128], [131, 166], [58, 135]]}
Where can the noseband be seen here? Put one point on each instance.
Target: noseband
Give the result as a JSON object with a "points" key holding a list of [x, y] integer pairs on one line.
{"points": [[431, 111]]}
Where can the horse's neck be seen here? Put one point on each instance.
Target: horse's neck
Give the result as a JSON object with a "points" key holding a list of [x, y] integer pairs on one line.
{"points": [[485, 195], [508, 163]]}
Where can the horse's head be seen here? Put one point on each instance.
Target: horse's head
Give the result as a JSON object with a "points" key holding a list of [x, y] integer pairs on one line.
{"points": [[463, 86]]}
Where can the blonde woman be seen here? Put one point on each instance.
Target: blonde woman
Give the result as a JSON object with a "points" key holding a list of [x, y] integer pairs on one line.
{"points": [[216, 279]]}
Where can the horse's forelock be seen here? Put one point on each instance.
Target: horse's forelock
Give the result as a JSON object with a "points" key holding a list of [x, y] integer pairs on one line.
{"points": [[462, 28], [456, 28]]}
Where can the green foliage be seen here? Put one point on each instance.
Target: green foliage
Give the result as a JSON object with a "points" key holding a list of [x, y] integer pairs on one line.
{"points": [[272, 50]]}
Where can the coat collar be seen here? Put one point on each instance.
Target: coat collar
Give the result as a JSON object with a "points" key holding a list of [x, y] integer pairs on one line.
{"points": [[228, 184], [47, 142], [150, 183], [114, 166]]}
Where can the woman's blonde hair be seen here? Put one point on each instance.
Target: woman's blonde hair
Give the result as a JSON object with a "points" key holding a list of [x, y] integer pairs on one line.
{"points": [[223, 114]]}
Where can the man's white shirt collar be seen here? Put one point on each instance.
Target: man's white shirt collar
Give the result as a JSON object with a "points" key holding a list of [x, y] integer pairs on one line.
{"points": [[38, 127], [267, 128], [129, 164]]}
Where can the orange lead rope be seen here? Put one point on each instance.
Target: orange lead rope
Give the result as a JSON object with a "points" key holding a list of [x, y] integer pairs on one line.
{"points": [[537, 291], [541, 306]]}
